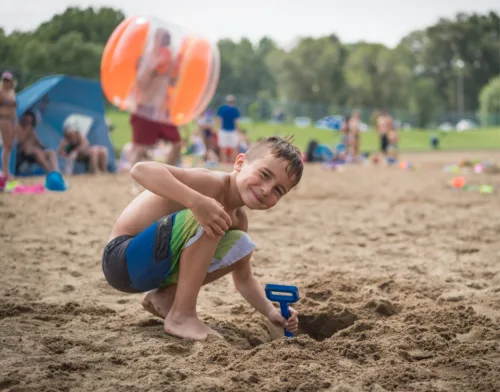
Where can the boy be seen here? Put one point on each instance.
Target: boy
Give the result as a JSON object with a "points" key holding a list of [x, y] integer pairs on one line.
{"points": [[198, 234]]}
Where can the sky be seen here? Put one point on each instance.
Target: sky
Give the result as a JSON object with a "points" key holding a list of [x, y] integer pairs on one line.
{"points": [[383, 21]]}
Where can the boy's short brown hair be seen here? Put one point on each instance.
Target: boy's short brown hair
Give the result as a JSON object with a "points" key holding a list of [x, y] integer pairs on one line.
{"points": [[280, 148]]}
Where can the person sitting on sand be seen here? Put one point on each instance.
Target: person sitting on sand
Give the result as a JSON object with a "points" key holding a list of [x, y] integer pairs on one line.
{"points": [[188, 228], [74, 146], [210, 138], [30, 146], [243, 141]]}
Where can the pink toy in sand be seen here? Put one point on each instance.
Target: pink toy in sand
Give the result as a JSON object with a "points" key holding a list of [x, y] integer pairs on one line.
{"points": [[33, 189]]}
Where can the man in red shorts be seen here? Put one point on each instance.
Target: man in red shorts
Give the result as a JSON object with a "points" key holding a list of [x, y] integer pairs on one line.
{"points": [[156, 75], [146, 133]]}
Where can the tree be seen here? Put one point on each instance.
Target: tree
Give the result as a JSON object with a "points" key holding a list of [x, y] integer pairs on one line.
{"points": [[243, 67], [423, 100], [473, 39], [93, 25], [490, 103], [366, 67], [313, 72]]}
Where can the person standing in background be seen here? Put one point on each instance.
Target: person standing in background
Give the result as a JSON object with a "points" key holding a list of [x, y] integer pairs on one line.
{"points": [[385, 124], [354, 130], [228, 116], [8, 121], [157, 73]]}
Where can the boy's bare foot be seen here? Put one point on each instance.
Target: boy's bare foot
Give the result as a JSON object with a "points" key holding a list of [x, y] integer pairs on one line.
{"points": [[188, 328], [159, 301]]}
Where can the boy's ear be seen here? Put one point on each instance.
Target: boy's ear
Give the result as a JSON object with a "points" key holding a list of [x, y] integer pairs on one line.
{"points": [[238, 163]]}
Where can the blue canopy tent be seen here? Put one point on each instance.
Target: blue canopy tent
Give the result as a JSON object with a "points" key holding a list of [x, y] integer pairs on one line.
{"points": [[56, 99]]}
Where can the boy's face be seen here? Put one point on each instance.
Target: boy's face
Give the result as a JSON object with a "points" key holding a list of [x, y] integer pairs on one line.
{"points": [[262, 182]]}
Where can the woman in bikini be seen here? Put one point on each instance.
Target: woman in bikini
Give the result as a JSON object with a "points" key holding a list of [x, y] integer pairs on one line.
{"points": [[354, 125], [347, 138], [8, 120]]}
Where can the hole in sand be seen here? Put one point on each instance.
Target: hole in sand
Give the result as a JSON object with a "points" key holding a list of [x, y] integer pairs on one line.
{"points": [[324, 322]]}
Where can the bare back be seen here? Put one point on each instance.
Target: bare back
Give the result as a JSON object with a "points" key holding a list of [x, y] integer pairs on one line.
{"points": [[148, 207], [384, 124]]}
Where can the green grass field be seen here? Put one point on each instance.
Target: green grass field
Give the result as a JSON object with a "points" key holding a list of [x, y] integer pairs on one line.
{"points": [[414, 140]]}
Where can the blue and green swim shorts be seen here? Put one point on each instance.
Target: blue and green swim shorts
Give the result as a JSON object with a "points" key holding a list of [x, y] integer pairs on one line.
{"points": [[150, 260]]}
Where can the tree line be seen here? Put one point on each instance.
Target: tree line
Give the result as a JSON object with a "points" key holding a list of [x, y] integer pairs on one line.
{"points": [[443, 68]]}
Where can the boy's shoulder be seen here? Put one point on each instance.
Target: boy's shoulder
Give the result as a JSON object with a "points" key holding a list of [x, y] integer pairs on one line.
{"points": [[207, 182], [214, 176]]}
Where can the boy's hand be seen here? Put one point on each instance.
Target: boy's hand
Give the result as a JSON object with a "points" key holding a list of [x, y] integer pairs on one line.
{"points": [[292, 324], [211, 216]]}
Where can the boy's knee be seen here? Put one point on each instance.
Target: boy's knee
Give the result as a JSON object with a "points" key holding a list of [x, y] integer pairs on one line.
{"points": [[245, 259], [243, 235]]}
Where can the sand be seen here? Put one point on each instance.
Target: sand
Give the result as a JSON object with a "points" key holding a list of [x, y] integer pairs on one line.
{"points": [[399, 279]]}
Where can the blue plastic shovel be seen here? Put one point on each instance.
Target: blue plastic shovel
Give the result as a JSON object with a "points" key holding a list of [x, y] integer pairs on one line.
{"points": [[284, 295]]}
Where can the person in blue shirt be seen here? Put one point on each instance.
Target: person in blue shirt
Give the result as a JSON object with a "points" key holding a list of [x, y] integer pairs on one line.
{"points": [[228, 116]]}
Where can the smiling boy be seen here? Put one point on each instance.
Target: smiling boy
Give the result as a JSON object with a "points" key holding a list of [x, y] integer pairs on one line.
{"points": [[188, 228]]}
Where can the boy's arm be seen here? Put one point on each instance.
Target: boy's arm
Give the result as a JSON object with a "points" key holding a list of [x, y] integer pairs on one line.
{"points": [[250, 288], [252, 291], [244, 280], [195, 189]]}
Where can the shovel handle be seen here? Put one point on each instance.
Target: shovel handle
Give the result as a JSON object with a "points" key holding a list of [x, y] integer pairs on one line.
{"points": [[285, 312]]}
